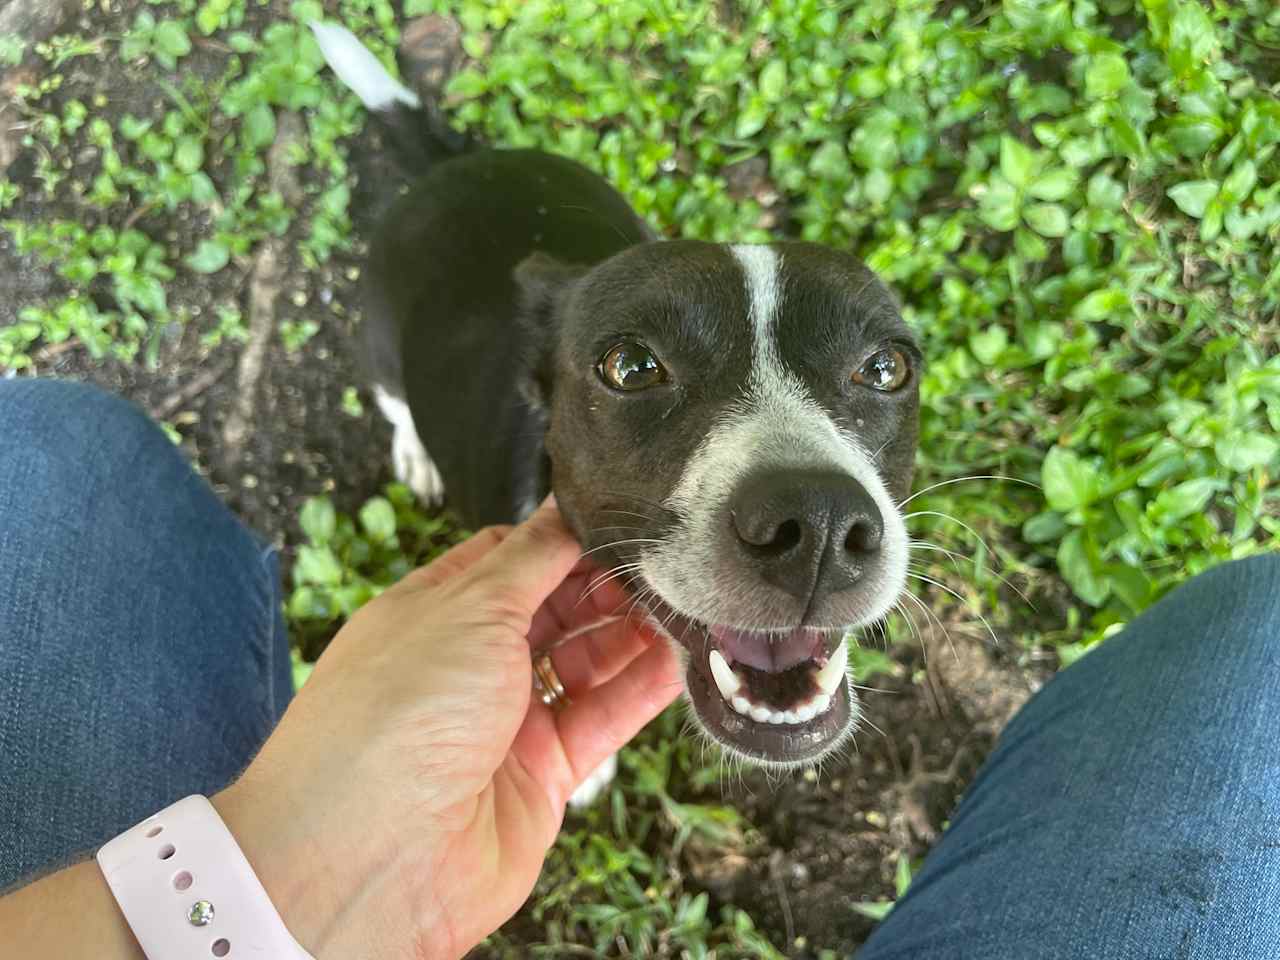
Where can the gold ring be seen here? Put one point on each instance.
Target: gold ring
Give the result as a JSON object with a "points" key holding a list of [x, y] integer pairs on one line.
{"points": [[547, 683]]}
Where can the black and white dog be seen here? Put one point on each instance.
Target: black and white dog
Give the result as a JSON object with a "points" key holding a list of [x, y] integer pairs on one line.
{"points": [[732, 426]]}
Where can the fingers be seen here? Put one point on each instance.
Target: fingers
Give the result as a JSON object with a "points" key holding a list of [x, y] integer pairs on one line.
{"points": [[602, 720], [471, 551], [560, 748], [531, 561], [535, 569], [598, 652], [568, 610], [453, 561]]}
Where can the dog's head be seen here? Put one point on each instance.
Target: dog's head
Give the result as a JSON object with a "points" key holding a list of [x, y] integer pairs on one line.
{"points": [[731, 429]]}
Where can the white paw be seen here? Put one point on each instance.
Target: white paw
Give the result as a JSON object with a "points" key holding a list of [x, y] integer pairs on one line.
{"points": [[415, 468], [413, 465], [597, 782]]}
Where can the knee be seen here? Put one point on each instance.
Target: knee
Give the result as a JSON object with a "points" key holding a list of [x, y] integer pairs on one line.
{"points": [[60, 430], [1230, 611], [1241, 594], [47, 412]]}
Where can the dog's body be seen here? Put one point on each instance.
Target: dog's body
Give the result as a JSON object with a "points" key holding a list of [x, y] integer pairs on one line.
{"points": [[730, 426], [442, 300]]}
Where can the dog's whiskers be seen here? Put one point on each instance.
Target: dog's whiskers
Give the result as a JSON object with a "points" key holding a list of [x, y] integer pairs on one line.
{"points": [[956, 520], [943, 587], [617, 526], [618, 543], [645, 502], [628, 513], [872, 725], [915, 574], [931, 616], [612, 573], [882, 626], [641, 600], [869, 689], [956, 558], [911, 626], [984, 476]]}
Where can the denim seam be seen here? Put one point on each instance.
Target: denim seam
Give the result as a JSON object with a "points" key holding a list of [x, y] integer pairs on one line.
{"points": [[266, 615]]}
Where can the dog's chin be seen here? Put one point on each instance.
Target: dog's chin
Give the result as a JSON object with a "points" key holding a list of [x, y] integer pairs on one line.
{"points": [[778, 698]]}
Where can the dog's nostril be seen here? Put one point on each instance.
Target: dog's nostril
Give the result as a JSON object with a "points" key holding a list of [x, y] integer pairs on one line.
{"points": [[788, 536], [863, 537], [766, 537]]}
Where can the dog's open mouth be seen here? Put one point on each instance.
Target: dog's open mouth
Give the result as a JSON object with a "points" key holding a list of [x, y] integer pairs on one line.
{"points": [[776, 696]]}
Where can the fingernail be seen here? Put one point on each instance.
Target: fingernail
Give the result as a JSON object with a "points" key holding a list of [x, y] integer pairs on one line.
{"points": [[550, 501]]}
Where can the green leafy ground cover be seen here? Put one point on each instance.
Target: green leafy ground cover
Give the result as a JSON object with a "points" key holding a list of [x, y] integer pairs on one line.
{"points": [[1078, 203]]}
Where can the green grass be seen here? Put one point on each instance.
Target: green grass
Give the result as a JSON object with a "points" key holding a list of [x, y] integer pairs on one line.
{"points": [[1078, 203]]}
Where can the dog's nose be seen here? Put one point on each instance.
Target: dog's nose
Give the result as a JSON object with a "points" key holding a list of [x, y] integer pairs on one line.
{"points": [[810, 533]]}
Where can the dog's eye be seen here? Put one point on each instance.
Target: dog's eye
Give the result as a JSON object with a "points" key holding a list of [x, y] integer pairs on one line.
{"points": [[886, 370], [631, 366]]}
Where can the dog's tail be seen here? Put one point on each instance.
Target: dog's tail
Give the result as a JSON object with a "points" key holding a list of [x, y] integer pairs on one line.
{"points": [[417, 133]]}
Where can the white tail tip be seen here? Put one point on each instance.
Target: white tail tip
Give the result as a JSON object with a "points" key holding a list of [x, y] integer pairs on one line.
{"points": [[359, 69]]}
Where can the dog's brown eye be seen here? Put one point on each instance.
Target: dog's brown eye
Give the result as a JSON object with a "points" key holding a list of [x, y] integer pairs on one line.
{"points": [[631, 366], [885, 371]]}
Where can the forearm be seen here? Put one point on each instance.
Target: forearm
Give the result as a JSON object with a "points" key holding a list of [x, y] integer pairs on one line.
{"points": [[72, 913], [69, 914]]}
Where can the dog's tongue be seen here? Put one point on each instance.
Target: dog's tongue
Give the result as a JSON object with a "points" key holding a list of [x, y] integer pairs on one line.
{"points": [[771, 652]]}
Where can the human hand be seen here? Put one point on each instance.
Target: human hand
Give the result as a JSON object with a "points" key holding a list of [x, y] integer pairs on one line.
{"points": [[405, 803]]}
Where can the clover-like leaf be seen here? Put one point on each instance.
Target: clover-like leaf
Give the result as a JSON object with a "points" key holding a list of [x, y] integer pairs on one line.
{"points": [[1193, 196], [1069, 482], [1017, 161], [378, 518], [1047, 219], [209, 257], [318, 519]]}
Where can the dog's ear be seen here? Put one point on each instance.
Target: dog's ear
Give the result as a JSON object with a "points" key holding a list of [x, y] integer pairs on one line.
{"points": [[542, 284]]}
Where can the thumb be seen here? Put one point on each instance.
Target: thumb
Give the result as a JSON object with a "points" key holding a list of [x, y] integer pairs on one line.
{"points": [[528, 565]]}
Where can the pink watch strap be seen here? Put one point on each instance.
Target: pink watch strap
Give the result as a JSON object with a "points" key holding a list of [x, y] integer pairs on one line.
{"points": [[188, 892]]}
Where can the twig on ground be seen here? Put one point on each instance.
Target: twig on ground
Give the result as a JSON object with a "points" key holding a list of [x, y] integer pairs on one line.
{"points": [[264, 286], [779, 886], [911, 791], [193, 388], [935, 683], [54, 350], [137, 215]]}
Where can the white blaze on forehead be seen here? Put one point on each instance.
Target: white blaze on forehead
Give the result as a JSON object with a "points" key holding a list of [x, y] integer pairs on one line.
{"points": [[775, 424], [761, 265], [770, 382]]}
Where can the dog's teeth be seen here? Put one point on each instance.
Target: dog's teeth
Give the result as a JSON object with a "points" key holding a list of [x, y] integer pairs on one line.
{"points": [[731, 687], [832, 673], [725, 678]]}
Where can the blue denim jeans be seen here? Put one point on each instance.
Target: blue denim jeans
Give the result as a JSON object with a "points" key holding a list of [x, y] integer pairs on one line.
{"points": [[143, 655], [1130, 810]]}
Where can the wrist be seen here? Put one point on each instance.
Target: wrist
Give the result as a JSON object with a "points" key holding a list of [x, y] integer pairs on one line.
{"points": [[294, 885], [115, 938], [35, 920], [338, 893]]}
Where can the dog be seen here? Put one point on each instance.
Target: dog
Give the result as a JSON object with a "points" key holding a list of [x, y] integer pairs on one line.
{"points": [[733, 426]]}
